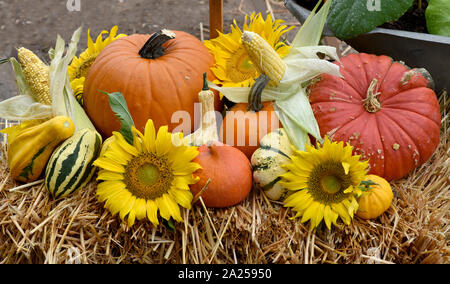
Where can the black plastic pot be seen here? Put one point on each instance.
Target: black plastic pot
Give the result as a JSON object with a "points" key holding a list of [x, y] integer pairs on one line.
{"points": [[417, 50]]}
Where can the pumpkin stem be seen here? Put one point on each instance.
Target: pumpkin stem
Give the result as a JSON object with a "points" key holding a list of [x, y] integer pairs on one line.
{"points": [[153, 48], [205, 83], [371, 103], [254, 99]]}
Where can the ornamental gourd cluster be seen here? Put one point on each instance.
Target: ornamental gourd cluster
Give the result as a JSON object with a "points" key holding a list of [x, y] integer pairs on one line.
{"points": [[344, 129]]}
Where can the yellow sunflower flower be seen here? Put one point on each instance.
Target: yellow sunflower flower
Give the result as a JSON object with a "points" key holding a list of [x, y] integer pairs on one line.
{"points": [[325, 181], [78, 87], [79, 67], [233, 67], [151, 175]]}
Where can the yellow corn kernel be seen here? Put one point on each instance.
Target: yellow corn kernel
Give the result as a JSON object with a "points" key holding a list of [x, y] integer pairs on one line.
{"points": [[37, 75], [265, 59]]}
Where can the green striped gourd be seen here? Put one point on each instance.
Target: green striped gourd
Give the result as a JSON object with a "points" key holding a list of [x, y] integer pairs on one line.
{"points": [[70, 167], [274, 152]]}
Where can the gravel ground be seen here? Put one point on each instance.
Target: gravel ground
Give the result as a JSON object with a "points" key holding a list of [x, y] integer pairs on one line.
{"points": [[35, 24]]}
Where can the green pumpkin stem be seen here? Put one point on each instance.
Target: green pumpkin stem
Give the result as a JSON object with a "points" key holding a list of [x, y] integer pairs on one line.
{"points": [[153, 48], [205, 83], [254, 99]]}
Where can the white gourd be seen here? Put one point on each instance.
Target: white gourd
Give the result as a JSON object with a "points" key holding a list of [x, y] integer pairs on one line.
{"points": [[274, 152]]}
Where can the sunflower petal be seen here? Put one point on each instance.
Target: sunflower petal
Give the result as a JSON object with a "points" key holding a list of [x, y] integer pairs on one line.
{"points": [[310, 212], [340, 209], [346, 167], [131, 218], [183, 182], [127, 207], [140, 207], [174, 208], [109, 165], [120, 140], [109, 176], [150, 136], [116, 203], [186, 169], [182, 197], [163, 141], [152, 212], [328, 217]]}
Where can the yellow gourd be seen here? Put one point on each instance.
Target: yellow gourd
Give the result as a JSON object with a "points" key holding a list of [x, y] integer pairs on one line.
{"points": [[31, 145], [376, 199]]}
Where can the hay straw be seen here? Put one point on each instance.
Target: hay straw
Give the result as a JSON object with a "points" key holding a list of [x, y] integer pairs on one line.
{"points": [[36, 229]]}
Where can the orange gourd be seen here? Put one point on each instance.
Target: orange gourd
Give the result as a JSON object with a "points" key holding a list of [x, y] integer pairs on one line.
{"points": [[244, 128], [226, 174], [158, 75], [376, 200]]}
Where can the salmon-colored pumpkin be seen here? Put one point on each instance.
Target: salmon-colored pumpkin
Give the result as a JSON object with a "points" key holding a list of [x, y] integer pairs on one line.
{"points": [[387, 111], [156, 80], [243, 128]]}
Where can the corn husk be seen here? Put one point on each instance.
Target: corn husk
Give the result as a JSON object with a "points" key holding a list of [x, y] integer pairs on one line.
{"points": [[24, 107], [63, 100], [303, 64]]}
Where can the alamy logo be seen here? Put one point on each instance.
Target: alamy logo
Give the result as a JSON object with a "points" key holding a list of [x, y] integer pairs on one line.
{"points": [[374, 5], [73, 5]]}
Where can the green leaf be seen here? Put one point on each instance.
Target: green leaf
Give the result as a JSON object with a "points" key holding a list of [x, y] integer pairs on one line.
{"points": [[169, 225], [366, 185], [119, 107], [349, 18], [438, 17]]}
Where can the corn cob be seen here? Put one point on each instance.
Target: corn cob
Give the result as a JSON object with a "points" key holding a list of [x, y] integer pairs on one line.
{"points": [[37, 75], [265, 59]]}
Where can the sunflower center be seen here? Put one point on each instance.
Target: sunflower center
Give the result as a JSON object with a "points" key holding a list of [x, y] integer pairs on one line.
{"points": [[239, 67], [148, 176], [328, 182]]}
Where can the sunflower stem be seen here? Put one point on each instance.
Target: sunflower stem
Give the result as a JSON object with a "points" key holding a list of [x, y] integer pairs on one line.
{"points": [[254, 99], [153, 48]]}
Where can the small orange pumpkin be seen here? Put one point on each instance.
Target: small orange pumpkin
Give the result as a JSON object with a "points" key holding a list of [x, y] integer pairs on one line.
{"points": [[248, 127], [226, 174], [376, 200]]}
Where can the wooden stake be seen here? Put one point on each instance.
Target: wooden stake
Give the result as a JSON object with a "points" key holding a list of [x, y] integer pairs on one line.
{"points": [[215, 18]]}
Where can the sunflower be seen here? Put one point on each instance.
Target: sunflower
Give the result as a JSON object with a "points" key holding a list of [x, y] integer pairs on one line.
{"points": [[151, 175], [79, 67], [78, 87], [325, 181], [233, 67]]}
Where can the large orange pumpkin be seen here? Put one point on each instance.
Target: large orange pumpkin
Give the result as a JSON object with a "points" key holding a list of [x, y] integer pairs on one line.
{"points": [[158, 75], [384, 109]]}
